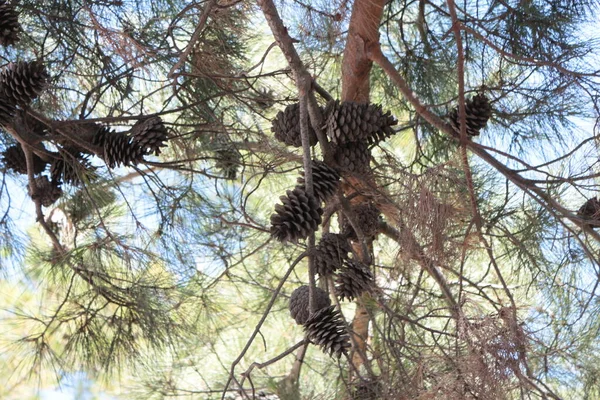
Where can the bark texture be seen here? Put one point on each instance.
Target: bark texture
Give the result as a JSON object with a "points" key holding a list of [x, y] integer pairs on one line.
{"points": [[356, 68]]}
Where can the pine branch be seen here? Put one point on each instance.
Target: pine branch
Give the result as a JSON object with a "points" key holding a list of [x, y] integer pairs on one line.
{"points": [[259, 325]]}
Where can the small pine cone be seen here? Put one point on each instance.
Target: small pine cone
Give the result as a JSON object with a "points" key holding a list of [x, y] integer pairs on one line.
{"points": [[286, 127], [353, 157], [590, 210], [297, 217], [48, 192], [23, 81], [330, 254], [72, 168], [228, 161], [367, 217], [117, 148], [227, 157], [353, 122], [149, 135], [299, 303], [9, 24], [354, 279], [14, 158], [325, 180], [477, 111], [326, 329]]}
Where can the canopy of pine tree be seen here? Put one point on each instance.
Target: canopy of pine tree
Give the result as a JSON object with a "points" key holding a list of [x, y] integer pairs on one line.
{"points": [[300, 199]]}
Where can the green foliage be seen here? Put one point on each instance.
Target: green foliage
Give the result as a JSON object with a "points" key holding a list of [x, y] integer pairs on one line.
{"points": [[158, 274]]}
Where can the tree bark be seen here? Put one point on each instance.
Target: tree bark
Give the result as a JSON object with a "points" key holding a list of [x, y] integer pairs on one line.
{"points": [[356, 68]]}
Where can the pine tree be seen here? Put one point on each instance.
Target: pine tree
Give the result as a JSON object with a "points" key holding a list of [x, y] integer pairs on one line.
{"points": [[414, 181]]}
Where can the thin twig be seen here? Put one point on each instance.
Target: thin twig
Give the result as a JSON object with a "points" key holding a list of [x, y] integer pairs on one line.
{"points": [[260, 323], [195, 36]]}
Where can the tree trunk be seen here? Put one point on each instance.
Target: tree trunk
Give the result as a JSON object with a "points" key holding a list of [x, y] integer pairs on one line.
{"points": [[356, 68]]}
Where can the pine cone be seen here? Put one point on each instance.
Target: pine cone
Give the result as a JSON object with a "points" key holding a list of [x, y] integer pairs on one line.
{"points": [[325, 180], [590, 210], [48, 192], [117, 148], [149, 135], [286, 127], [353, 122], [353, 157], [477, 111], [367, 217], [9, 24], [326, 329], [354, 279], [298, 216], [23, 81], [330, 254], [299, 303], [227, 157], [228, 162], [14, 158], [72, 168]]}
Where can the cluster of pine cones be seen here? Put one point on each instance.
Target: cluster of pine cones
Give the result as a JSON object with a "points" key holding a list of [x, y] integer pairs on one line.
{"points": [[351, 128], [71, 164], [352, 278], [325, 327], [20, 84]]}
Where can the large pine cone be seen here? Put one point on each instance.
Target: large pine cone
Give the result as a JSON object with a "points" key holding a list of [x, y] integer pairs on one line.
{"points": [[72, 168], [367, 217], [149, 135], [14, 158], [117, 148], [9, 24], [590, 210], [326, 329], [48, 192], [354, 279], [477, 110], [298, 216], [353, 122], [286, 127], [353, 157], [23, 81], [299, 300], [331, 252], [325, 180]]}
